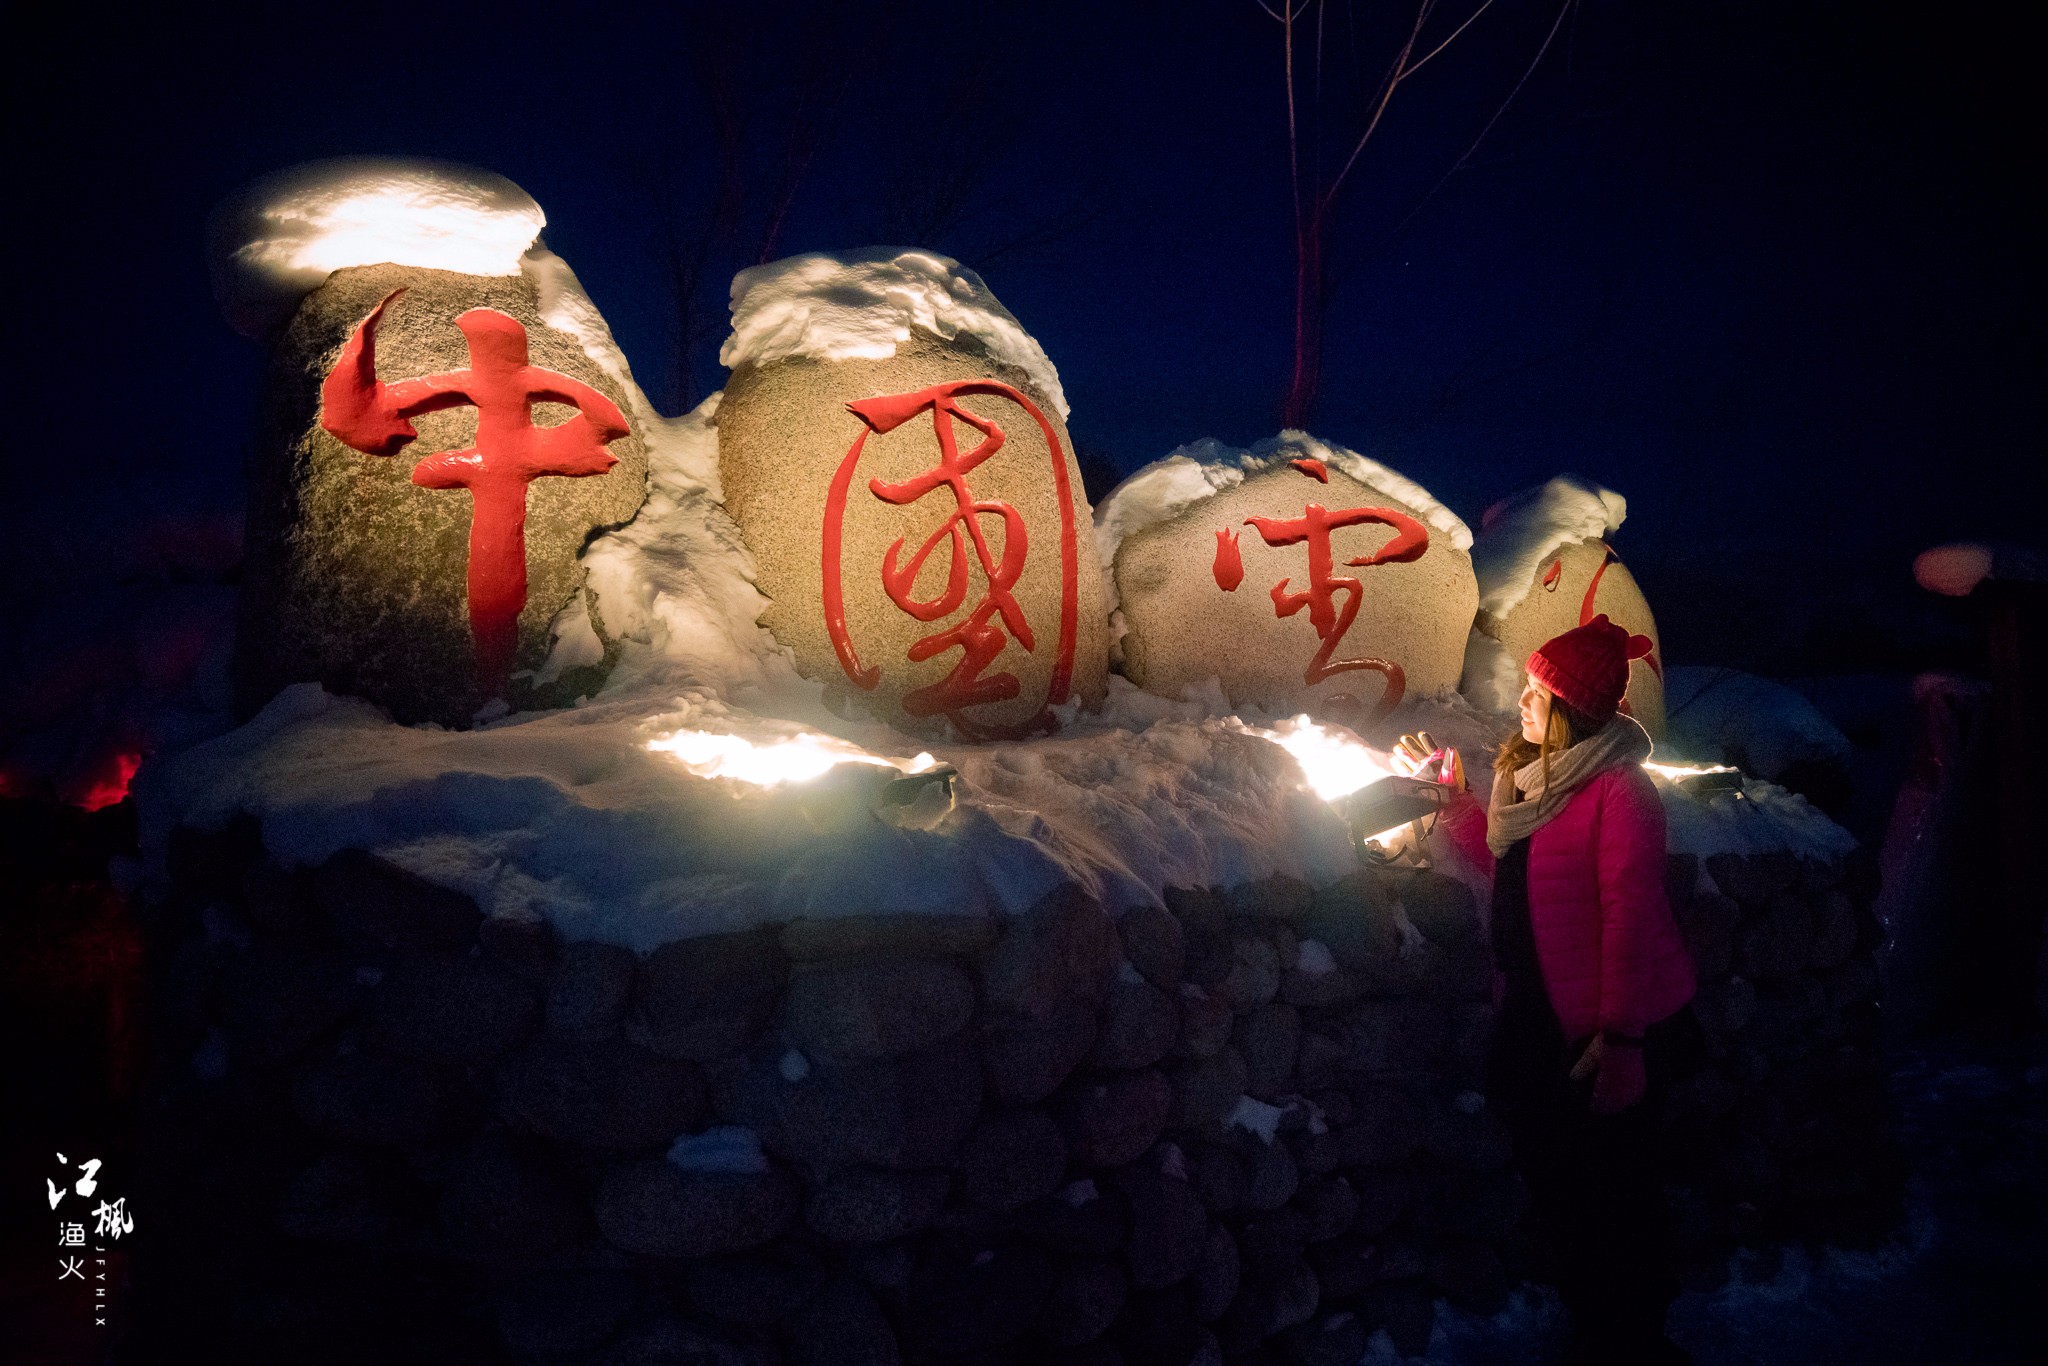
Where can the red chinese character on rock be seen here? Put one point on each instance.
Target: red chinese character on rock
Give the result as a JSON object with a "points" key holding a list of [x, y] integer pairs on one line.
{"points": [[1329, 619], [510, 452], [996, 618]]}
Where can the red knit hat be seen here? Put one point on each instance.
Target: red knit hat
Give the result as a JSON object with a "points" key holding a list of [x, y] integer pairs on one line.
{"points": [[1587, 667]]}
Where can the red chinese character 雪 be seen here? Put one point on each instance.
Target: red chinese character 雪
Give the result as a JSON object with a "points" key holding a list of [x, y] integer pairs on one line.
{"points": [[1329, 618]]}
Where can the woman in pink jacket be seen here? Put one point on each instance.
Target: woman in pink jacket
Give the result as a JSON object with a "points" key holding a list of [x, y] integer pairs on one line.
{"points": [[1593, 984]]}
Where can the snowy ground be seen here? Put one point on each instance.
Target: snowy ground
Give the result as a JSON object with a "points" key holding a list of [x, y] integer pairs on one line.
{"points": [[1960, 1284]]}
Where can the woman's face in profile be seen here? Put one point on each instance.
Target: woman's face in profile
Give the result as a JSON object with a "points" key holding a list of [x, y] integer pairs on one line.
{"points": [[1535, 709]]}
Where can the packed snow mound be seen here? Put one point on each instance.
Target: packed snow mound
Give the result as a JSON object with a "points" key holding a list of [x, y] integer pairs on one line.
{"points": [[1171, 485], [1757, 817], [279, 239], [678, 580], [565, 307], [1519, 533], [862, 306], [571, 817], [1760, 726], [1493, 678]]}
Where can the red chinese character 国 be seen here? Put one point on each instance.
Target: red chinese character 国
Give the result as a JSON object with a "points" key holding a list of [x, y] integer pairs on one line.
{"points": [[996, 618]]}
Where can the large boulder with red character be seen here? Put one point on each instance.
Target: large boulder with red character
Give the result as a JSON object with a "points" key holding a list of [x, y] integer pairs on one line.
{"points": [[1299, 575], [893, 446], [445, 423], [1546, 563]]}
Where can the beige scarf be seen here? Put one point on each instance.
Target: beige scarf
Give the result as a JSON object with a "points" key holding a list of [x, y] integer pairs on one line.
{"points": [[1620, 741]]}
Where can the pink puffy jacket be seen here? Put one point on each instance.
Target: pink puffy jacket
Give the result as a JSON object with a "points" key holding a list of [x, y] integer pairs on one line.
{"points": [[1610, 951]]}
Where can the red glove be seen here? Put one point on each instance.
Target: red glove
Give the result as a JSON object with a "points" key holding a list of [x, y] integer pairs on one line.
{"points": [[1620, 1082]]}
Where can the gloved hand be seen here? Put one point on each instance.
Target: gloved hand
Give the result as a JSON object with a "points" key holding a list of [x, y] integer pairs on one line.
{"points": [[1618, 1076], [1419, 756]]}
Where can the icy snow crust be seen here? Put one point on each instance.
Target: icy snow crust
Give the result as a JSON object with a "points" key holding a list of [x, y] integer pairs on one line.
{"points": [[864, 304], [1518, 534], [567, 816], [1763, 819], [278, 240]]}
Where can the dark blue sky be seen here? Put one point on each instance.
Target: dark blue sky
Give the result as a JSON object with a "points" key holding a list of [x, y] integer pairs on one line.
{"points": [[1767, 268]]}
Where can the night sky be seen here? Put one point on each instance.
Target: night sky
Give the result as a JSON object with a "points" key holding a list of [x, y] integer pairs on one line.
{"points": [[1763, 267]]}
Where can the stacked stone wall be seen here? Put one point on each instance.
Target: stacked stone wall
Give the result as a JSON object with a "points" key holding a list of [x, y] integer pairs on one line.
{"points": [[1247, 1126], [1784, 1135]]}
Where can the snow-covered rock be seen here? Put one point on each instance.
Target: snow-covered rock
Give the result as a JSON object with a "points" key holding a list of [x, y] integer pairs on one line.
{"points": [[970, 603], [1202, 469], [1759, 726], [385, 551], [1519, 534], [378, 558]]}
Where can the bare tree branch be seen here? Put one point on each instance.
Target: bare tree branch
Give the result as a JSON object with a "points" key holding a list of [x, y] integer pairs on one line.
{"points": [[1448, 41], [1397, 73], [1461, 162], [1315, 203], [1534, 62]]}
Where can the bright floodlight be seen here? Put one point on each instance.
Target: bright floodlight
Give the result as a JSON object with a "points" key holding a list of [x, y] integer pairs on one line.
{"points": [[797, 759], [1335, 762], [1680, 772]]}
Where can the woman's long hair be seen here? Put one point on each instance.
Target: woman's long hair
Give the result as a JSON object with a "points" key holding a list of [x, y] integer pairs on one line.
{"points": [[1566, 727]]}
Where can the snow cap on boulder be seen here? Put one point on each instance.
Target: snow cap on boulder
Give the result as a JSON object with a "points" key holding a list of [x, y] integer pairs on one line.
{"points": [[862, 305], [280, 238], [850, 377], [373, 563], [1517, 534], [1201, 469]]}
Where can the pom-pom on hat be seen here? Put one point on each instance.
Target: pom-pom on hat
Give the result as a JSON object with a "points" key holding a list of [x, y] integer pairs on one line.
{"points": [[1587, 667]]}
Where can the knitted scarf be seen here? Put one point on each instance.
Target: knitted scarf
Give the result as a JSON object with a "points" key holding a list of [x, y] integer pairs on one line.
{"points": [[1620, 741]]}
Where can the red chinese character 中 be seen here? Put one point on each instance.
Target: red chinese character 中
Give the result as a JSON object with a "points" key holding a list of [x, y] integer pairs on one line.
{"points": [[1330, 619], [510, 452], [996, 618]]}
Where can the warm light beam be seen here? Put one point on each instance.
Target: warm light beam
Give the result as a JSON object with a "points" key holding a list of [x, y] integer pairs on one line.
{"points": [[796, 759], [1335, 762]]}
